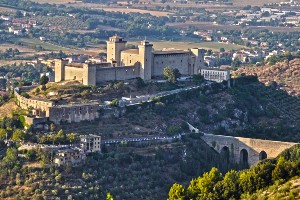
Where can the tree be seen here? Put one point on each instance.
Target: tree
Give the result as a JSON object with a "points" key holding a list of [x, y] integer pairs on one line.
{"points": [[72, 137], [203, 187], [281, 170], [177, 192], [109, 197], [236, 63], [44, 88], [3, 133], [18, 135], [44, 80], [222, 49], [19, 14], [230, 185], [171, 74]]}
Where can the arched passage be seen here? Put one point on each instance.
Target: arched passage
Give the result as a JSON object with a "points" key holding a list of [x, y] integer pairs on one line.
{"points": [[244, 156], [263, 155], [225, 153]]}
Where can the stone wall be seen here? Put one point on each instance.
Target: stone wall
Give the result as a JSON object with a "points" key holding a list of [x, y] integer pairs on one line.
{"points": [[74, 113], [116, 73], [179, 61], [73, 73], [41, 105], [254, 147]]}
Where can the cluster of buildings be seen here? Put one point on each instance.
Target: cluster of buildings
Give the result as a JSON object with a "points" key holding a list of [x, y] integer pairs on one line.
{"points": [[77, 155], [19, 26], [284, 17]]}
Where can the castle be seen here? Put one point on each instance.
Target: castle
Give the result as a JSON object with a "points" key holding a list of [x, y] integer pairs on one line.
{"points": [[124, 64]]}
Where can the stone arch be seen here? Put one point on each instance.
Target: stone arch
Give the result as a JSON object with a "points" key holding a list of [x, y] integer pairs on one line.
{"points": [[225, 153], [244, 156], [263, 155]]}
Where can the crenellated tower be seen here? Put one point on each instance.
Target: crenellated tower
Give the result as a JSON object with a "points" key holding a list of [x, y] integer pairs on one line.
{"points": [[115, 45]]}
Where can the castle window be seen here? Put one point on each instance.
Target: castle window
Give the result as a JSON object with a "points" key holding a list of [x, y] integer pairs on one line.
{"points": [[162, 62], [181, 60], [129, 61]]}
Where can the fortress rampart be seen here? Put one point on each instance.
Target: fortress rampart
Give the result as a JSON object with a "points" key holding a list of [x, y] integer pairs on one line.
{"points": [[40, 106], [61, 113]]}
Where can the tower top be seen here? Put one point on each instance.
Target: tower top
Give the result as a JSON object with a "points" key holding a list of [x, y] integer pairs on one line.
{"points": [[116, 38]]}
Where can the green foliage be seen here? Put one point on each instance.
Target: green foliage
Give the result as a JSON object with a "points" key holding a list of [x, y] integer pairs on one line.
{"points": [[280, 58], [109, 197], [171, 74], [44, 80], [172, 130], [44, 88], [176, 192], [236, 63], [198, 78], [114, 103], [25, 94], [18, 136], [3, 133], [139, 83]]}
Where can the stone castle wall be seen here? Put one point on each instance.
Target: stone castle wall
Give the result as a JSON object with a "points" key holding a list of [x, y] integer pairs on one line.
{"points": [[74, 113], [57, 114], [116, 73], [179, 61], [42, 106]]}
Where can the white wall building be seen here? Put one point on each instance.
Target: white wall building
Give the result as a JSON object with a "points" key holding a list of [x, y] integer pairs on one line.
{"points": [[90, 143]]}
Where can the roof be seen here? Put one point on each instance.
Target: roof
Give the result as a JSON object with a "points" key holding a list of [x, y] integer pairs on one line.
{"points": [[170, 52], [215, 69], [131, 51]]}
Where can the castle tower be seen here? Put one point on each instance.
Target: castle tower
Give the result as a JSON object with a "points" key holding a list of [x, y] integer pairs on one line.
{"points": [[60, 69], [145, 57], [89, 74], [115, 45], [199, 60]]}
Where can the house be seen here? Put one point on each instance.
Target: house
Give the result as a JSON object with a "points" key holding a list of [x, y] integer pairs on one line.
{"points": [[90, 143], [72, 156]]}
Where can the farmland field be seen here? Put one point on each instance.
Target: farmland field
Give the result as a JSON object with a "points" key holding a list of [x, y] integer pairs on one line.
{"points": [[7, 10], [130, 10], [55, 1], [211, 26], [159, 45]]}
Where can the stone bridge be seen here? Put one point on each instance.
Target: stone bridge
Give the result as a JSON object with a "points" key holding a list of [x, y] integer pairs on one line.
{"points": [[245, 150]]}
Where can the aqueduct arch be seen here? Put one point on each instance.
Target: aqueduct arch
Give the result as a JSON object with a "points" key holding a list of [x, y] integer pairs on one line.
{"points": [[245, 150]]}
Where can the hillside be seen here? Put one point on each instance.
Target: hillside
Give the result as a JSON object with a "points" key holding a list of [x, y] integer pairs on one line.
{"points": [[285, 74], [128, 171], [249, 109], [269, 179]]}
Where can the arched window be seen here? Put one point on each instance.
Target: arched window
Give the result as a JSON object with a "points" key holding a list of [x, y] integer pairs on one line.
{"points": [[263, 155]]}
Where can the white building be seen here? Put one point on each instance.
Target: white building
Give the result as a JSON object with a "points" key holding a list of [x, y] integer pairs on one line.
{"points": [[216, 74], [90, 143]]}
